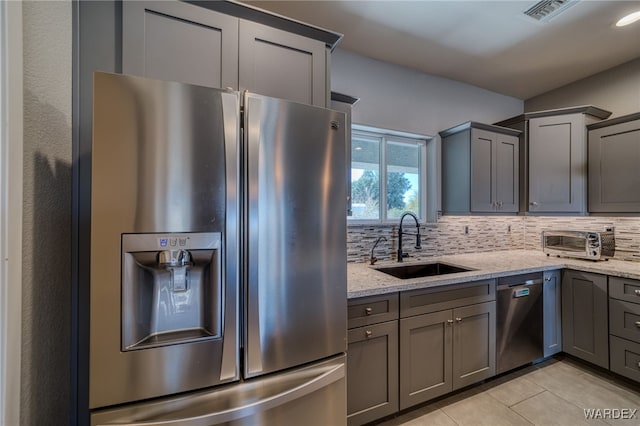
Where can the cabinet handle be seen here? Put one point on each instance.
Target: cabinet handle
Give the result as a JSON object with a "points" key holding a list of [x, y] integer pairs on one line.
{"points": [[547, 278], [450, 321], [533, 203], [368, 333], [368, 311], [637, 292], [637, 324], [458, 319]]}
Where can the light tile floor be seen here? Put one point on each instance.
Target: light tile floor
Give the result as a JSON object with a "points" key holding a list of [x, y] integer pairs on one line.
{"points": [[555, 392]]}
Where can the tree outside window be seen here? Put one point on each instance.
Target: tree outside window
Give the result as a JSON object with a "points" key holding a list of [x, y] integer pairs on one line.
{"points": [[386, 171]]}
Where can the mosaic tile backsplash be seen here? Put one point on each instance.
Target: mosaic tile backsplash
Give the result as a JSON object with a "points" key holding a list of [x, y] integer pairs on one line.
{"points": [[469, 234]]}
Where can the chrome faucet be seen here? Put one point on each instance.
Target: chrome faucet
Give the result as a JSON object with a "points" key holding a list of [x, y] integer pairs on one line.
{"points": [[373, 259], [401, 232]]}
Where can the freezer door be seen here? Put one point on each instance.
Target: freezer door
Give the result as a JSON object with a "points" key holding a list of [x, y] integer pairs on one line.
{"points": [[295, 277], [310, 396]]}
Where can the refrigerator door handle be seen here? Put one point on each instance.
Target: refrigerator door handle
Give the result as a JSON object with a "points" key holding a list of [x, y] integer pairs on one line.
{"points": [[230, 353], [327, 376], [253, 350]]}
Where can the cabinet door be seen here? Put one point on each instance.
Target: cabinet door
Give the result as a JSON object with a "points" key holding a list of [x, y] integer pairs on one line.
{"points": [[584, 317], [557, 164], [180, 42], [282, 65], [552, 312], [483, 171], [474, 343], [506, 175], [372, 372], [425, 357], [614, 175]]}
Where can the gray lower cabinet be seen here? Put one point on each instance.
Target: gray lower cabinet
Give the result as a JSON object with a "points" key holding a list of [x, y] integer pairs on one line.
{"points": [[425, 357], [474, 343], [372, 358], [446, 350], [178, 41], [624, 327], [552, 312], [614, 175], [480, 166], [585, 331]]}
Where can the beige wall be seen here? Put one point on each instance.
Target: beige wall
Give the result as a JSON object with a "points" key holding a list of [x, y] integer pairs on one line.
{"points": [[616, 90], [45, 378]]}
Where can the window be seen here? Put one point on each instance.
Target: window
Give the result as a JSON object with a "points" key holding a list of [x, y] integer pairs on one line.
{"points": [[388, 174]]}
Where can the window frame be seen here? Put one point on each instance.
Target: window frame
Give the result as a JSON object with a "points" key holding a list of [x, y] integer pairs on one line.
{"points": [[384, 136]]}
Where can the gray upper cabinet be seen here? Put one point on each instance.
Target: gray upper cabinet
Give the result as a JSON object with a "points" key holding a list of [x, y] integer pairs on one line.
{"points": [[614, 159], [557, 164], [480, 168], [554, 147], [344, 103], [179, 41], [280, 64], [585, 332]]}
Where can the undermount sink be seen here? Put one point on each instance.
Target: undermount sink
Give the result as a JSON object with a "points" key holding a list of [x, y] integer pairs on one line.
{"points": [[406, 272]]}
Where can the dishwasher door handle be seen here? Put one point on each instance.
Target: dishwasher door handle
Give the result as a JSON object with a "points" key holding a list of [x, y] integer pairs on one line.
{"points": [[520, 292], [527, 283]]}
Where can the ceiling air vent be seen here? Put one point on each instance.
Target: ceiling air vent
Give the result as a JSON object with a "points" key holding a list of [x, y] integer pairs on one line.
{"points": [[548, 9]]}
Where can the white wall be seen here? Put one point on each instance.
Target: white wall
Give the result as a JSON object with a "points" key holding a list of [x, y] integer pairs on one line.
{"points": [[400, 98], [46, 296], [616, 90]]}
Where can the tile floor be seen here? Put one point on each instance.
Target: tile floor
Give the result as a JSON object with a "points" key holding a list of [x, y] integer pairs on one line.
{"points": [[555, 392]]}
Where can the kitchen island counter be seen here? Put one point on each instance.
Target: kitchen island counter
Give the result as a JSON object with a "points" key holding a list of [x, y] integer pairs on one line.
{"points": [[364, 280]]}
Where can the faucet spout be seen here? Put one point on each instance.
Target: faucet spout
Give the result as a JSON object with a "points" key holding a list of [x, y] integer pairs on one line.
{"points": [[372, 258], [401, 232]]}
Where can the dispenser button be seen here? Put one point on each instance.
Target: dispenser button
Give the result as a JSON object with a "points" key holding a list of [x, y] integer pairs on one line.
{"points": [[173, 242], [163, 242], [182, 242]]}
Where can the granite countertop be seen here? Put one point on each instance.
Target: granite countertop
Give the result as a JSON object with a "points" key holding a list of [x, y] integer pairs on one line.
{"points": [[364, 280]]}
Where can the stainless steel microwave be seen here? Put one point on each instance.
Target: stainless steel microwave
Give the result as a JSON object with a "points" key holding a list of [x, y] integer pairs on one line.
{"points": [[579, 244]]}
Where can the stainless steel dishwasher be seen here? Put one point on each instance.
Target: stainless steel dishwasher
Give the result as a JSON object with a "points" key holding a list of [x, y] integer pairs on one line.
{"points": [[519, 331]]}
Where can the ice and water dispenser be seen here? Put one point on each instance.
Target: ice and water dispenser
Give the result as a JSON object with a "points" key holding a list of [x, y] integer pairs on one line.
{"points": [[171, 289]]}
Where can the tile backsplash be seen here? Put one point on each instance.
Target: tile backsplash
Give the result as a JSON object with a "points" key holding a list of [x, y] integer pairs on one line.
{"points": [[466, 234]]}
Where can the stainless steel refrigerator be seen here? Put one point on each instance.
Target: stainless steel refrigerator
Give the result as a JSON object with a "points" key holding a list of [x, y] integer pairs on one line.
{"points": [[218, 258]]}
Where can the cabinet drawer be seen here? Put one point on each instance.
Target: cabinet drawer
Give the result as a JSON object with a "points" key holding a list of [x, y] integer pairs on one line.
{"points": [[624, 289], [372, 310], [624, 319], [625, 358], [437, 299]]}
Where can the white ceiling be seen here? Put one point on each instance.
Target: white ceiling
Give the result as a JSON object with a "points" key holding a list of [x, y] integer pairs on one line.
{"points": [[490, 44]]}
